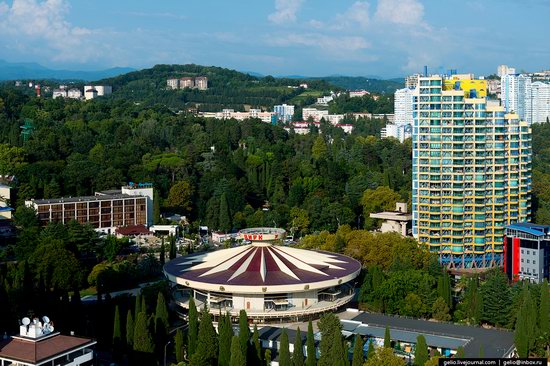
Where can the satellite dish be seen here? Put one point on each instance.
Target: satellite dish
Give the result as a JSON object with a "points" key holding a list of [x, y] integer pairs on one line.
{"points": [[26, 321], [46, 319]]}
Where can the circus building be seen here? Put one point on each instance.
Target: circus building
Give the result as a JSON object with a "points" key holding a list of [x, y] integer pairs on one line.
{"points": [[271, 282]]}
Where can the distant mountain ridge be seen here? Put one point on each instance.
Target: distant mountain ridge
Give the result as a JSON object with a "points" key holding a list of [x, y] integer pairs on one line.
{"points": [[31, 70]]}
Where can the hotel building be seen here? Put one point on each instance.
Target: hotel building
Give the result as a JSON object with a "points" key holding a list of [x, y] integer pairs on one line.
{"points": [[471, 171], [105, 211]]}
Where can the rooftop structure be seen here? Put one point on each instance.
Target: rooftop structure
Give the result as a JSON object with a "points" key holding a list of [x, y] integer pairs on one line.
{"points": [[38, 344], [269, 281], [398, 221], [445, 337]]}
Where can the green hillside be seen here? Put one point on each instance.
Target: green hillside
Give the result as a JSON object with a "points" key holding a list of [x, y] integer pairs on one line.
{"points": [[226, 88], [359, 82]]}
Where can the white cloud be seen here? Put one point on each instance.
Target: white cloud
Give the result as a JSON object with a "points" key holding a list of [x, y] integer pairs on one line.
{"points": [[358, 13], [43, 23], [403, 12], [285, 11]]}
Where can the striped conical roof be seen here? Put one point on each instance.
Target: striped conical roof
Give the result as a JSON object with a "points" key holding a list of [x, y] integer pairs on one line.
{"points": [[257, 265]]}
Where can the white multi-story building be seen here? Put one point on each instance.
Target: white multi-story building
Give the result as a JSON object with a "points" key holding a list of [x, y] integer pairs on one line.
{"points": [[173, 83], [325, 100], [358, 93], [91, 92], [493, 86], [530, 100], [314, 113], [59, 93], [538, 110], [187, 82], [516, 90], [400, 132], [284, 112], [201, 82], [505, 70], [74, 93], [403, 107], [267, 117]]}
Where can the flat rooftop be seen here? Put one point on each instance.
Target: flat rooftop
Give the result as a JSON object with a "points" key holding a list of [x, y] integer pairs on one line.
{"points": [[83, 199], [392, 215], [494, 342]]}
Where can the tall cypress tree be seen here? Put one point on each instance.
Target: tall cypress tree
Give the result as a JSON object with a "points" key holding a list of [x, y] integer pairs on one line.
{"points": [[284, 353], [544, 311], [244, 332], [421, 354], [237, 357], [298, 353], [178, 345], [225, 331], [129, 329], [137, 305], [117, 331], [172, 252], [526, 332], [496, 298], [207, 341], [161, 316], [143, 305], [162, 257], [224, 216], [370, 351], [387, 338], [444, 288], [257, 346], [193, 328], [331, 346], [311, 359], [358, 358], [143, 340]]}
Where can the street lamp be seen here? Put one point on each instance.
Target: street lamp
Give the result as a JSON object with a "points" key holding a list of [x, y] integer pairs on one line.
{"points": [[166, 345]]}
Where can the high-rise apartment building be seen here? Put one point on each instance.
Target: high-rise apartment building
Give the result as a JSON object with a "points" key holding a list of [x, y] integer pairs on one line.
{"points": [[471, 173], [538, 107], [403, 106], [530, 100]]}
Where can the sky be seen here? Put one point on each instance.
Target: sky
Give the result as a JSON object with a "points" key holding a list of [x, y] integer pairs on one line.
{"points": [[385, 38]]}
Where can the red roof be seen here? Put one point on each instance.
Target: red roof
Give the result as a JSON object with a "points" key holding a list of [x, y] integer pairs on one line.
{"points": [[132, 230], [35, 351]]}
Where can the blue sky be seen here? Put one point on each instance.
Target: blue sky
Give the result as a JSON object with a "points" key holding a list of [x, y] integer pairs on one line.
{"points": [[389, 38]]}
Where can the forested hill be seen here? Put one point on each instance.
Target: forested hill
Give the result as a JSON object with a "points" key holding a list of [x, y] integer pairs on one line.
{"points": [[226, 88], [359, 82]]}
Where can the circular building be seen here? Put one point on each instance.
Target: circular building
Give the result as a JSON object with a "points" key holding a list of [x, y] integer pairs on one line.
{"points": [[271, 282]]}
